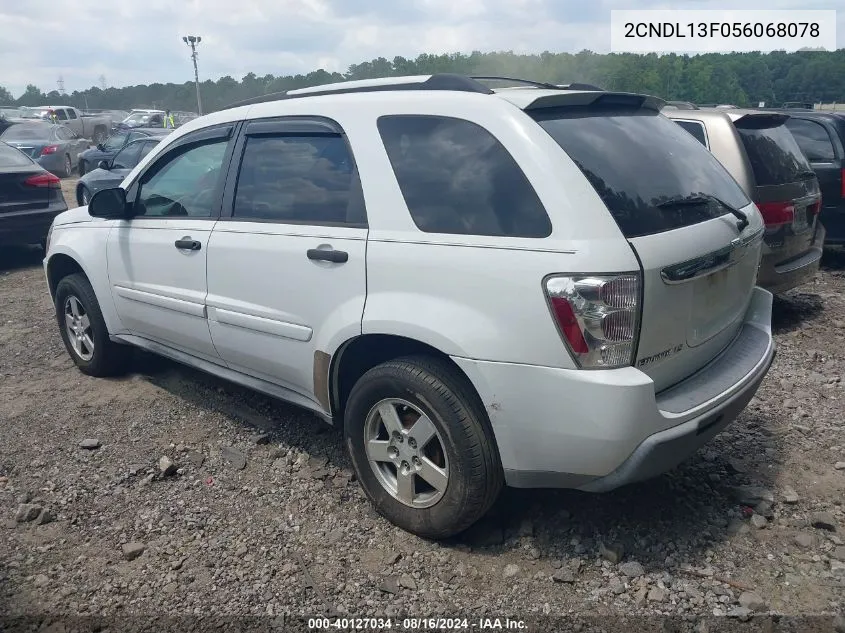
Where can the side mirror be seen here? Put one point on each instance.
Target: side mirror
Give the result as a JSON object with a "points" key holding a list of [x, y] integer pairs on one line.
{"points": [[104, 164], [109, 204]]}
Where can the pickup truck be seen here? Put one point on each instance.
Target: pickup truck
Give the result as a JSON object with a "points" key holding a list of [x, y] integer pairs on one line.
{"points": [[94, 127]]}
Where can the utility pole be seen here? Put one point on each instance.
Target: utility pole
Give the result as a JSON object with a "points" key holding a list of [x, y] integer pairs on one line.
{"points": [[193, 41], [61, 83]]}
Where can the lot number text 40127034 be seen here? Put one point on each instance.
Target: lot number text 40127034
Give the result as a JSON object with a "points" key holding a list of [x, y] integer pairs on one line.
{"points": [[416, 624]]}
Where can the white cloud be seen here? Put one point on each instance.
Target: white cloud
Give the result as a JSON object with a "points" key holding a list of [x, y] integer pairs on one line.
{"points": [[133, 42]]}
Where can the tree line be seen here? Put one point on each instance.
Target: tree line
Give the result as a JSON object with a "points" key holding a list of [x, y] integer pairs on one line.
{"points": [[737, 78]]}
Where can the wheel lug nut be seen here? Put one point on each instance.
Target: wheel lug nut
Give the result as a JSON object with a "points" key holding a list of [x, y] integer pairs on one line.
{"points": [[412, 442], [405, 468], [416, 461], [392, 452]]}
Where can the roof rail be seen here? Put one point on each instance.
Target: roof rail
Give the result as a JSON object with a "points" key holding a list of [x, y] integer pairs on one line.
{"points": [[681, 105], [579, 86], [526, 82], [441, 81]]}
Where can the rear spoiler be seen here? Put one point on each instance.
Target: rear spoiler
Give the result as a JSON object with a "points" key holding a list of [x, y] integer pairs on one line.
{"points": [[761, 121], [594, 99]]}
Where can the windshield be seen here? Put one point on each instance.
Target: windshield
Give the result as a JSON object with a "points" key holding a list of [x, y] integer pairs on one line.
{"points": [[640, 162], [775, 156], [115, 141], [24, 131], [138, 117]]}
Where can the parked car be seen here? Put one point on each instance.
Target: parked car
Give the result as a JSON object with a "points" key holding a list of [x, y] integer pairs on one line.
{"points": [[95, 128], [760, 152], [821, 136], [92, 156], [30, 198], [546, 287], [142, 118], [54, 147], [111, 172]]}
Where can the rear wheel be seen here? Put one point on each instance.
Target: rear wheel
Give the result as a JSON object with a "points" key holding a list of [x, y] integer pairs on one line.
{"points": [[84, 330], [422, 447], [81, 167], [83, 196], [67, 167]]}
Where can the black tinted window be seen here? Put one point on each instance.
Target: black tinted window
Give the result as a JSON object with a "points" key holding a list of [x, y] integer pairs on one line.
{"points": [[457, 178], [26, 131], [61, 115], [696, 129], [128, 157], [639, 162], [812, 138], [71, 114], [116, 141], [146, 148], [775, 156], [10, 157], [296, 179]]}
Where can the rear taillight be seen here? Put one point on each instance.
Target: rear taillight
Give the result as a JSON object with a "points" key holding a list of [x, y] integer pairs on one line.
{"points": [[816, 207], [43, 180], [598, 317], [50, 149], [776, 213]]}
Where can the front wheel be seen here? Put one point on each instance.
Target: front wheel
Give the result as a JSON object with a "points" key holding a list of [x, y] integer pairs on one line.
{"points": [[83, 196], [422, 447], [84, 330], [67, 167]]}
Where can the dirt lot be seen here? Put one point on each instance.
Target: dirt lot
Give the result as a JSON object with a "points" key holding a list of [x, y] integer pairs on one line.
{"points": [[287, 529]]}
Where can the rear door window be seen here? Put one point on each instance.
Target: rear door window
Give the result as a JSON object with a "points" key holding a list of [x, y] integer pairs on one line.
{"points": [[457, 178], [10, 157], [813, 139], [71, 114], [775, 156], [640, 163]]}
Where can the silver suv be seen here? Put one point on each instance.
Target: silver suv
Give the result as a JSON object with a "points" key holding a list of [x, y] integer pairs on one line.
{"points": [[534, 286], [760, 152]]}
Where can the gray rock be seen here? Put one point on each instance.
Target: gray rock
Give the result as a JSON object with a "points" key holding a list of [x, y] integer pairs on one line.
{"points": [[90, 444], [839, 623], [837, 568], [564, 576], [838, 553], [44, 517], [759, 521], [27, 512], [839, 465], [616, 586], [737, 526], [823, 521], [741, 613], [196, 458], [234, 457], [392, 558], [764, 508], [41, 581], [612, 552], [656, 594], [131, 551], [278, 452], [752, 601], [632, 569], [789, 495], [407, 582], [805, 540], [166, 466], [390, 585], [318, 462], [510, 571]]}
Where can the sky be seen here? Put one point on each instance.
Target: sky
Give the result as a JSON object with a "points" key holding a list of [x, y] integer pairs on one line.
{"points": [[140, 41]]}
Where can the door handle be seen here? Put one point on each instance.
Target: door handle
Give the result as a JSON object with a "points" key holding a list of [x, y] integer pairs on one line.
{"points": [[328, 255], [187, 244]]}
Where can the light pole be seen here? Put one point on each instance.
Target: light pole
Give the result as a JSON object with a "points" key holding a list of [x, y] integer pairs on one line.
{"points": [[192, 41]]}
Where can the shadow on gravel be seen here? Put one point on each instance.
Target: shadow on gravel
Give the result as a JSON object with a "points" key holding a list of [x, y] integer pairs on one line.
{"points": [[675, 517], [791, 311], [834, 258], [16, 257]]}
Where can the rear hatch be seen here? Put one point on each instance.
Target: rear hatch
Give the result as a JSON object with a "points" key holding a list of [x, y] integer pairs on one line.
{"points": [[680, 211], [24, 185], [787, 191]]}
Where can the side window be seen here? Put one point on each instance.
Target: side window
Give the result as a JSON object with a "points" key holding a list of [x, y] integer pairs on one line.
{"points": [[115, 142], [184, 182], [127, 158], [146, 148], [61, 133], [303, 178], [71, 114], [696, 129], [61, 114], [457, 178], [133, 136], [813, 139], [155, 121]]}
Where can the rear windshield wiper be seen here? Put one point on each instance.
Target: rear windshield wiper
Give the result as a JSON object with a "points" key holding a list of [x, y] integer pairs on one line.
{"points": [[699, 199]]}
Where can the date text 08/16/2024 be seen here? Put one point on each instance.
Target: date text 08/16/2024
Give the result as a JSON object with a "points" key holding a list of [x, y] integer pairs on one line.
{"points": [[416, 624]]}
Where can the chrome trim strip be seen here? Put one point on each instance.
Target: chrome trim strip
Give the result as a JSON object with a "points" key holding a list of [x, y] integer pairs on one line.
{"points": [[711, 262]]}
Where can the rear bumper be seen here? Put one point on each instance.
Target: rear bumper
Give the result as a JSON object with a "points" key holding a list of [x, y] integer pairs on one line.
{"points": [[779, 273], [28, 227], [598, 430]]}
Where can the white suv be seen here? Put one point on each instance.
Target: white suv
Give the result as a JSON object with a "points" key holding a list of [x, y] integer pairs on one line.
{"points": [[535, 286]]}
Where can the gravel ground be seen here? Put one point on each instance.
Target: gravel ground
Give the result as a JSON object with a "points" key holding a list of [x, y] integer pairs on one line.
{"points": [[172, 492]]}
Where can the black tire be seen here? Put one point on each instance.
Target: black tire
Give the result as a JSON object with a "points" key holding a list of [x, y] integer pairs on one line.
{"points": [[81, 191], [67, 167], [108, 358], [443, 394], [81, 167]]}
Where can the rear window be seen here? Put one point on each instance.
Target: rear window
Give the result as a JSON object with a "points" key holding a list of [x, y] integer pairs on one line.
{"points": [[638, 162], [812, 138], [696, 129], [10, 157], [773, 152], [23, 131]]}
